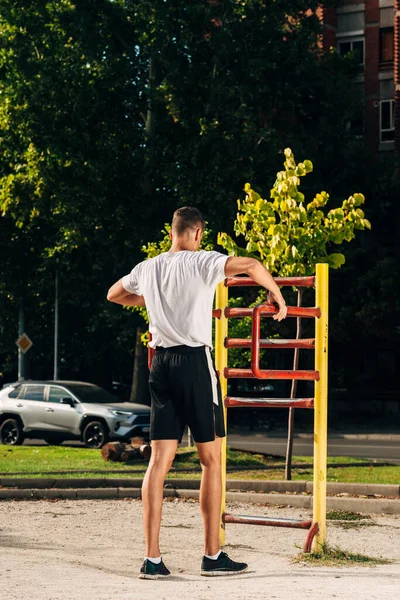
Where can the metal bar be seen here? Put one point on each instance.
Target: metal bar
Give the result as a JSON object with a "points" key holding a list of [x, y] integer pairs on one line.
{"points": [[255, 354], [234, 373], [268, 521], [270, 310], [312, 532], [286, 281], [21, 330], [221, 360], [234, 401], [306, 343], [217, 313], [56, 327], [150, 353], [293, 393], [321, 406]]}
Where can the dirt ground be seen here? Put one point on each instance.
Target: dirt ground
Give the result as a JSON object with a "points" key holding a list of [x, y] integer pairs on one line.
{"points": [[92, 550]]}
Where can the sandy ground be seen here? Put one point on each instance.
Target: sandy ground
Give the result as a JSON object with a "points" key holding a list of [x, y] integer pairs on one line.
{"points": [[92, 550]]}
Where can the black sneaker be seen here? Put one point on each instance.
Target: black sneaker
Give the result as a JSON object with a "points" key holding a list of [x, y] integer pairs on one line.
{"points": [[150, 570], [222, 566]]}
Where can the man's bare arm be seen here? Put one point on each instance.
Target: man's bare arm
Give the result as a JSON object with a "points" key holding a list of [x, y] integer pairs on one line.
{"points": [[118, 294], [237, 265]]}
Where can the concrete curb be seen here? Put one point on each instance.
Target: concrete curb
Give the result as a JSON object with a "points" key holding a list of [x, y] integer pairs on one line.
{"points": [[241, 485], [363, 505]]}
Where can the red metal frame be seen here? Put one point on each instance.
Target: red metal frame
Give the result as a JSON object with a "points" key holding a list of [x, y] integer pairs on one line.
{"points": [[255, 347], [150, 355], [236, 373], [305, 343], [233, 401], [267, 521], [312, 532], [289, 281], [271, 309], [274, 522]]}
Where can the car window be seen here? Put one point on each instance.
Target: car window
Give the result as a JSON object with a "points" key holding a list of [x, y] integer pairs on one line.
{"points": [[57, 393], [92, 393], [31, 392], [15, 392]]}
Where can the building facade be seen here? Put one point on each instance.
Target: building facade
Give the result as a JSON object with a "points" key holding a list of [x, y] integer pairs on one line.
{"points": [[371, 30]]}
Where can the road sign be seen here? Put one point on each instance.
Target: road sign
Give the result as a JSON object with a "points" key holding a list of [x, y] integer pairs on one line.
{"points": [[24, 342]]}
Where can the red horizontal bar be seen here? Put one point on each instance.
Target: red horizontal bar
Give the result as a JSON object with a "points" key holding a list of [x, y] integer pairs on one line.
{"points": [[268, 521], [233, 373], [233, 401], [307, 343], [217, 313], [271, 309], [290, 281]]}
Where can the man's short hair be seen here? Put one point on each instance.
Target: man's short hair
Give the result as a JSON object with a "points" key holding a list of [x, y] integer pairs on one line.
{"points": [[187, 217]]}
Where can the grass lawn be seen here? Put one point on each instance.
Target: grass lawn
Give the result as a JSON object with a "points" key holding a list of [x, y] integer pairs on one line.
{"points": [[30, 461]]}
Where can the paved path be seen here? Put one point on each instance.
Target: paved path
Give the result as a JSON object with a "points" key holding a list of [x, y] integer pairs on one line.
{"points": [[91, 550]]}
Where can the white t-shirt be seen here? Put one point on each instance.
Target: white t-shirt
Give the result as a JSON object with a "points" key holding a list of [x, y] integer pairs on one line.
{"points": [[178, 288]]}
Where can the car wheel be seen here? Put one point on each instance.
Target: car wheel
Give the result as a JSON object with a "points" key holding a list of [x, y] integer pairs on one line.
{"points": [[53, 441], [95, 434], [11, 433]]}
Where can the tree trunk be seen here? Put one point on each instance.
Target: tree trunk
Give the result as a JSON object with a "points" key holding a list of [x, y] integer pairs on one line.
{"points": [[140, 388], [289, 447]]}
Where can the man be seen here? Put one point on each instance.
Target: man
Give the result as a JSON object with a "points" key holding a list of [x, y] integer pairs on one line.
{"points": [[177, 288]]}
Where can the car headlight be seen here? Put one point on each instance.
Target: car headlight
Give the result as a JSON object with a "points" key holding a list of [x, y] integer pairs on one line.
{"points": [[121, 413]]}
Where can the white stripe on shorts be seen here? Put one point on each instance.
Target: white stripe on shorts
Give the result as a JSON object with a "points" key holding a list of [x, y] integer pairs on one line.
{"points": [[214, 381]]}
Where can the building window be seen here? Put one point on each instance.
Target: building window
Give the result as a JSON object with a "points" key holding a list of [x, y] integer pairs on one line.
{"points": [[350, 23], [386, 46], [387, 120], [354, 45]]}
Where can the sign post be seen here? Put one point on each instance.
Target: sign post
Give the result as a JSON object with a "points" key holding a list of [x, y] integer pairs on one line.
{"points": [[24, 343]]}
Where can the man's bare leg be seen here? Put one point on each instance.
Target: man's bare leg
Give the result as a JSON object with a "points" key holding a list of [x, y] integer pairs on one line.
{"points": [[211, 493], [162, 456]]}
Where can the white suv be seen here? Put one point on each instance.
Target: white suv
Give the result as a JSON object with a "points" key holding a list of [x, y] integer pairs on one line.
{"points": [[63, 410]]}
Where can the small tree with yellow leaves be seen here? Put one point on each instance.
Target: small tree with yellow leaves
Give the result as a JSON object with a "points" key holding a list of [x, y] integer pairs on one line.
{"points": [[291, 236]]}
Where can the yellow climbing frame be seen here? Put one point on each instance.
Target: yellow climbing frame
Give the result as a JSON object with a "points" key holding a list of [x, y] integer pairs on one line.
{"points": [[320, 397]]}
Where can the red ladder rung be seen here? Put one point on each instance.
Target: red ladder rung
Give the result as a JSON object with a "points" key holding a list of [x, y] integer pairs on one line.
{"points": [[271, 309], [289, 281], [235, 373], [306, 343], [268, 521], [235, 402]]}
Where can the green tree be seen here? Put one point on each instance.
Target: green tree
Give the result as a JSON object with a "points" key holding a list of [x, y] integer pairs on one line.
{"points": [[112, 113], [70, 175]]}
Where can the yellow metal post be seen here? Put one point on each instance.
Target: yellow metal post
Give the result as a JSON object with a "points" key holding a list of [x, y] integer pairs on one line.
{"points": [[221, 361], [321, 405]]}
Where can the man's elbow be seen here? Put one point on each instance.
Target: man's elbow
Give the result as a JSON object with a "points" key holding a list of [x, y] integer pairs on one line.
{"points": [[252, 265], [112, 295]]}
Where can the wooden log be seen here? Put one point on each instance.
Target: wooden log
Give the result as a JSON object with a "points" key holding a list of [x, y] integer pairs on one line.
{"points": [[117, 451], [130, 453], [112, 451]]}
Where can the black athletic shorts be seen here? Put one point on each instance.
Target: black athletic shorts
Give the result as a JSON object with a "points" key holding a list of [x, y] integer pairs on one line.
{"points": [[185, 390]]}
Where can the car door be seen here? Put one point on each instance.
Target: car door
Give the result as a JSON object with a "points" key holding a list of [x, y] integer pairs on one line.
{"points": [[31, 406], [62, 417]]}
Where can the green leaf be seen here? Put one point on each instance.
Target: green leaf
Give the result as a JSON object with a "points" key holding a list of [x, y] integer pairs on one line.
{"points": [[308, 166], [336, 260]]}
